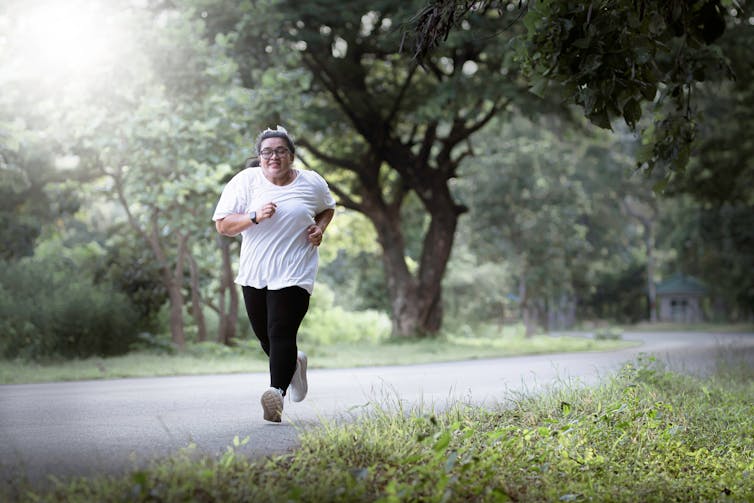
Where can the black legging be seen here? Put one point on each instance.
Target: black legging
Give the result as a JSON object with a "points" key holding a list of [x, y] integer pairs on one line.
{"points": [[275, 316]]}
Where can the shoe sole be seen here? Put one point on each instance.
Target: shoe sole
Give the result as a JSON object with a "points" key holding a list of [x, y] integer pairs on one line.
{"points": [[299, 383], [272, 405]]}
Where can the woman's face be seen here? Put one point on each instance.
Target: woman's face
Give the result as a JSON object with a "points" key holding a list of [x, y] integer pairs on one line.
{"points": [[275, 159]]}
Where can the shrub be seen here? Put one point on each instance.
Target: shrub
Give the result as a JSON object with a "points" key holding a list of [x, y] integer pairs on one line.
{"points": [[326, 323], [47, 310], [608, 334]]}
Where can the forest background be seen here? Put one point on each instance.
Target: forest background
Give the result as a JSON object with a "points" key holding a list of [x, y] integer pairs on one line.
{"points": [[479, 181]]}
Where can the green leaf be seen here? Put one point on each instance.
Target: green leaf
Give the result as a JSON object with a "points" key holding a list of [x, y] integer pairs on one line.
{"points": [[649, 91], [658, 187], [443, 440], [539, 87], [600, 118], [632, 113]]}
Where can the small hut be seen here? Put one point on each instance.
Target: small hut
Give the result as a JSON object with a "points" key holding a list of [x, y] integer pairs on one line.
{"points": [[680, 299]]}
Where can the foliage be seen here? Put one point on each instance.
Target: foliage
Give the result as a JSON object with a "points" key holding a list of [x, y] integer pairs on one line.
{"points": [[168, 118], [351, 265], [388, 134], [327, 323], [27, 168], [49, 310], [549, 209], [477, 291], [131, 269], [645, 434], [722, 169], [715, 243], [612, 58], [155, 355], [616, 294], [608, 333], [165, 150]]}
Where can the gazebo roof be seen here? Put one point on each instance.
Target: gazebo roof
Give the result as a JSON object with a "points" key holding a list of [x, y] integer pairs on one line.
{"points": [[680, 284]]}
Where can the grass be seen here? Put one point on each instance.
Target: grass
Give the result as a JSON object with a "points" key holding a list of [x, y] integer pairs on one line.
{"points": [[714, 328], [645, 434], [247, 357]]}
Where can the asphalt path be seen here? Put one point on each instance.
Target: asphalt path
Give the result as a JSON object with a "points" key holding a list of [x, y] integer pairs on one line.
{"points": [[114, 426]]}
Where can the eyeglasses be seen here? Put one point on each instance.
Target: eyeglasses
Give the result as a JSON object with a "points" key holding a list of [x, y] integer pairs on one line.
{"points": [[280, 151]]}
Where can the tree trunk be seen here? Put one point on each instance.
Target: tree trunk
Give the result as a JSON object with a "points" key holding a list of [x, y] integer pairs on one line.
{"points": [[526, 310], [175, 294], [176, 316], [651, 287], [196, 299], [416, 300], [228, 314], [171, 280]]}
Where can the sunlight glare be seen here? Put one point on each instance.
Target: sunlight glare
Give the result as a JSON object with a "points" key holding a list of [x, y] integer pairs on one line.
{"points": [[72, 39]]}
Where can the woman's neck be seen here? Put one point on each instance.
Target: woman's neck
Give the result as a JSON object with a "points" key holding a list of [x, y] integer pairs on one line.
{"points": [[284, 178]]}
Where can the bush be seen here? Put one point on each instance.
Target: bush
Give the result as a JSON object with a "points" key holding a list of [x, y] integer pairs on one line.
{"points": [[47, 310], [326, 323], [608, 334]]}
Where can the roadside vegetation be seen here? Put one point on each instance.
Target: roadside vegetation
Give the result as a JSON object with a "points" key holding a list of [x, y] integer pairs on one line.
{"points": [[363, 339], [646, 434], [372, 346]]}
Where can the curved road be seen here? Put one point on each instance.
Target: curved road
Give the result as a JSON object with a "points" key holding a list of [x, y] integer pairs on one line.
{"points": [[85, 428]]}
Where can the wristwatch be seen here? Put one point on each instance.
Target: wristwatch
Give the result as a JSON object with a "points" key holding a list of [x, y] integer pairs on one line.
{"points": [[253, 217]]}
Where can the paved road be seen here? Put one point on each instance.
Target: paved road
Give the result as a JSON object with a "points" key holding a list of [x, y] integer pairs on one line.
{"points": [[84, 428]]}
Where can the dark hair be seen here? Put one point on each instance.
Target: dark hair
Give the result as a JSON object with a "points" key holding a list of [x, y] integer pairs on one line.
{"points": [[252, 162], [279, 132]]}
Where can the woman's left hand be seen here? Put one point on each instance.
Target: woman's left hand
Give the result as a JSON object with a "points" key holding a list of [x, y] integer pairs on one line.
{"points": [[314, 234]]}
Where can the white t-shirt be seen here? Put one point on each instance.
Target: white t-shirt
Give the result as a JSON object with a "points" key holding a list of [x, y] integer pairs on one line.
{"points": [[276, 253]]}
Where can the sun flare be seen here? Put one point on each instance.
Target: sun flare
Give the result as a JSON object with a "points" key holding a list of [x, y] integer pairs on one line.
{"points": [[63, 39]]}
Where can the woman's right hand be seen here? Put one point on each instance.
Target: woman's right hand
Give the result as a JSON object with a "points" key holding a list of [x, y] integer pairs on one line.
{"points": [[266, 211]]}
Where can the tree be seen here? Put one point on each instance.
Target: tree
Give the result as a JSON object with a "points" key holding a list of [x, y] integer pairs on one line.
{"points": [[612, 58], [386, 129], [689, 63], [28, 169], [527, 208], [711, 208], [547, 201], [174, 120]]}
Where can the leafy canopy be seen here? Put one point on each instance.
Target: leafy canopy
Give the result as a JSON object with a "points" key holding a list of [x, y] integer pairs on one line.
{"points": [[612, 58]]}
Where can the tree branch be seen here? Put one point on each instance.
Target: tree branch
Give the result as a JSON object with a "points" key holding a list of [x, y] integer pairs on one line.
{"points": [[329, 159], [401, 94]]}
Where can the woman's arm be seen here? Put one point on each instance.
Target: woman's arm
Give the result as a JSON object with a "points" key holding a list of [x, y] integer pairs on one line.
{"points": [[321, 221], [233, 225]]}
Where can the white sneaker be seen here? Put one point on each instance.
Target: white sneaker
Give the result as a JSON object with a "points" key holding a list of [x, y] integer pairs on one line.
{"points": [[299, 386], [272, 404]]}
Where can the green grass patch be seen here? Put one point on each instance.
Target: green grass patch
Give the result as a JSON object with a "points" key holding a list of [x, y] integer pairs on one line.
{"points": [[210, 358], [713, 328], [644, 435]]}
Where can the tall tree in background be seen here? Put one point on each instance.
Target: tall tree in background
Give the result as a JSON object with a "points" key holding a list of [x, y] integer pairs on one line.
{"points": [[547, 200], [689, 62], [386, 129], [612, 58], [27, 168], [174, 119], [714, 231]]}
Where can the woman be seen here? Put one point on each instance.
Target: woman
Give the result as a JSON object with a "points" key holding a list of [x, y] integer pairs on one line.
{"points": [[281, 213]]}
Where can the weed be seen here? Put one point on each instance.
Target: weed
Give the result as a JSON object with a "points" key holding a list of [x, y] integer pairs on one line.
{"points": [[646, 434]]}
